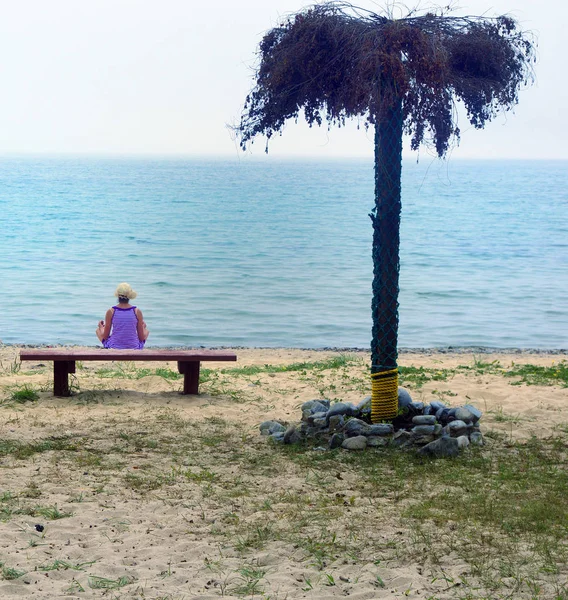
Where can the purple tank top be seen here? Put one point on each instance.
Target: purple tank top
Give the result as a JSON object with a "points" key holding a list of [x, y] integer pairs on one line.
{"points": [[124, 332]]}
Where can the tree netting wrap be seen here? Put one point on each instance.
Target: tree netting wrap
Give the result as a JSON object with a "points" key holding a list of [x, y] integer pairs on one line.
{"points": [[386, 264]]}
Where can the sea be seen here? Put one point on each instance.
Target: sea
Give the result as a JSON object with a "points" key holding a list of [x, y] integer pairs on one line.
{"points": [[266, 252]]}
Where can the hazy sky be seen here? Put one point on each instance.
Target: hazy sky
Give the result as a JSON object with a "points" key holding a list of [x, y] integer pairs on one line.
{"points": [[165, 77]]}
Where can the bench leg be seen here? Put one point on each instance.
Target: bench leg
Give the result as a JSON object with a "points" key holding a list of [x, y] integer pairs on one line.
{"points": [[61, 369], [190, 372]]}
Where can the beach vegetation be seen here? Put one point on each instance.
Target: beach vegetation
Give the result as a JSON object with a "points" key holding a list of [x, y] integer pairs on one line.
{"points": [[103, 583], [25, 393], [75, 587], [23, 450], [32, 490], [247, 582], [63, 565], [11, 368], [10, 573], [335, 362], [52, 513]]}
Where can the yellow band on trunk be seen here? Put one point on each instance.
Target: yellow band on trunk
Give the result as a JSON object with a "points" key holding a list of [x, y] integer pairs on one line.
{"points": [[384, 395]]}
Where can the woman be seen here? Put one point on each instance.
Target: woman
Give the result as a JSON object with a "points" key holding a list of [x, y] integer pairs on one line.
{"points": [[123, 327]]}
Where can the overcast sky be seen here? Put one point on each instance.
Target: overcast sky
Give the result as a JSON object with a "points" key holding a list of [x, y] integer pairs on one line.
{"points": [[165, 77]]}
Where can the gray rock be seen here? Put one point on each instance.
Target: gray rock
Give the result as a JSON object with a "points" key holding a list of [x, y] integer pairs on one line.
{"points": [[355, 443], [336, 423], [336, 440], [365, 403], [444, 446], [474, 411], [452, 413], [380, 429], [377, 441], [265, 427], [418, 406], [270, 427], [463, 441], [308, 405], [306, 414], [423, 429], [404, 398], [437, 429], [463, 414], [277, 437], [319, 415], [427, 410], [456, 428], [355, 427], [476, 438], [320, 423], [424, 420], [292, 436], [342, 408], [319, 407], [437, 405], [402, 438]]}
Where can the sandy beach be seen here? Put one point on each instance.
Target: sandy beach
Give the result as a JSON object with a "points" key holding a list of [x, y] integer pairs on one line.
{"points": [[129, 490]]}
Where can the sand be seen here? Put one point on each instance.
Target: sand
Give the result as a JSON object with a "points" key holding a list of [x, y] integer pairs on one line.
{"points": [[140, 521]]}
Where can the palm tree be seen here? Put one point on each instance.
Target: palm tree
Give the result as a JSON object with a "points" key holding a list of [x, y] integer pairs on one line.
{"points": [[401, 76]]}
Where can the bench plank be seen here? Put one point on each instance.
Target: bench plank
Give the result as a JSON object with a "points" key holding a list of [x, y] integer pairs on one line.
{"points": [[145, 355], [188, 361]]}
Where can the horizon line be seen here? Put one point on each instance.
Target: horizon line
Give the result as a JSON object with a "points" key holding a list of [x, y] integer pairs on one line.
{"points": [[262, 156]]}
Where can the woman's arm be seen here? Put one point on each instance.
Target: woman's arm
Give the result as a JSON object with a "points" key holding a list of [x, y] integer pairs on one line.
{"points": [[108, 323], [141, 329]]}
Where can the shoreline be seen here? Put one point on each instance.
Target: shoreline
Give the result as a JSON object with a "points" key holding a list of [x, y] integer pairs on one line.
{"points": [[347, 349]]}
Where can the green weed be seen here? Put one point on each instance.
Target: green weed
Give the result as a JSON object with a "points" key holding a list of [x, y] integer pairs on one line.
{"points": [[63, 565], [51, 512], [537, 375], [25, 394], [24, 450], [102, 583], [9, 573]]}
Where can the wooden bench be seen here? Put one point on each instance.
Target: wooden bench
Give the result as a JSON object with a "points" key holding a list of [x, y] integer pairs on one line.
{"points": [[189, 362]]}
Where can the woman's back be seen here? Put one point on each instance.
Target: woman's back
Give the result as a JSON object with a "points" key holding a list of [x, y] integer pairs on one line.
{"points": [[124, 334]]}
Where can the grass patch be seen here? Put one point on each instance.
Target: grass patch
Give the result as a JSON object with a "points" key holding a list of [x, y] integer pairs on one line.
{"points": [[527, 374], [24, 450], [335, 362], [51, 512], [416, 377], [128, 370], [63, 565], [25, 394], [537, 375], [9, 573], [102, 583]]}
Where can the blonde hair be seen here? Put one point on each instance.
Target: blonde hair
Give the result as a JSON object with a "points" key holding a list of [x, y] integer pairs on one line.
{"points": [[124, 290]]}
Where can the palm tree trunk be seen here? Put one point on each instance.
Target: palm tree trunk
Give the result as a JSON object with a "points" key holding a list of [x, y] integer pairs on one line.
{"points": [[386, 262]]}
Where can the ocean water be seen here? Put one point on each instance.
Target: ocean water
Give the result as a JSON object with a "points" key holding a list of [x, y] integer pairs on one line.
{"points": [[278, 253]]}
